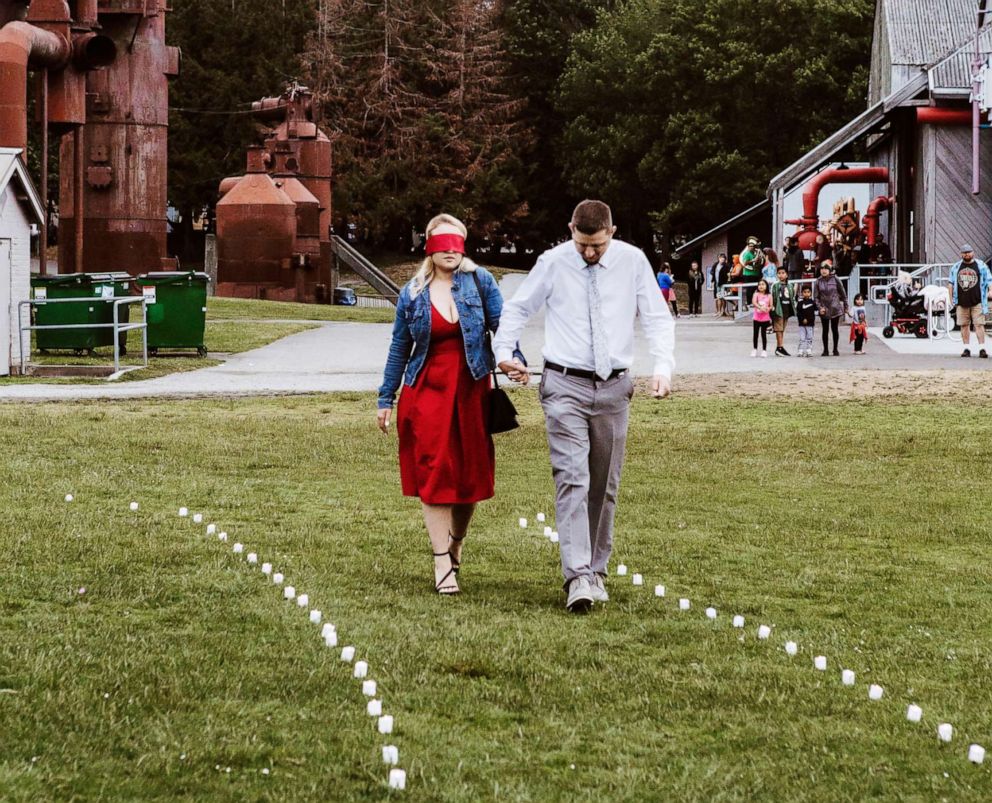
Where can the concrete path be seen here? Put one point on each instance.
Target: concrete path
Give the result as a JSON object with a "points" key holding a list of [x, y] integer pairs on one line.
{"points": [[350, 356]]}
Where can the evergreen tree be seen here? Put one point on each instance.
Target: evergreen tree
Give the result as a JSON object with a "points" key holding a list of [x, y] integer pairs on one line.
{"points": [[416, 94], [234, 52]]}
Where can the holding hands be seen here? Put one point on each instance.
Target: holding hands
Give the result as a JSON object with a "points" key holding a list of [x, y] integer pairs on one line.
{"points": [[515, 370]]}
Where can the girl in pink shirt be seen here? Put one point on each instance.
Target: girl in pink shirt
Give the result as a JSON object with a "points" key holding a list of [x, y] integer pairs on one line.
{"points": [[761, 304]]}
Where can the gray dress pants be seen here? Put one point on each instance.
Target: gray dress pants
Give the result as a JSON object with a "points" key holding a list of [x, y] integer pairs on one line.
{"points": [[586, 421]]}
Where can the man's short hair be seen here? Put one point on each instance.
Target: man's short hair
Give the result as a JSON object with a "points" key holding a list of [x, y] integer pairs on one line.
{"points": [[591, 217]]}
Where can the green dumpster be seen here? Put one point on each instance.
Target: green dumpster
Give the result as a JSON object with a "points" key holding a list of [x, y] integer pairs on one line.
{"points": [[177, 309], [91, 286]]}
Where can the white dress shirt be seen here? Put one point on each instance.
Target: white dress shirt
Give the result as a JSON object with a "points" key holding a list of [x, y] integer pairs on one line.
{"points": [[627, 288]]}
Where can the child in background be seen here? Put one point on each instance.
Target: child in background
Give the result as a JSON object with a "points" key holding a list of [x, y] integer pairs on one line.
{"points": [[761, 304], [806, 315], [666, 282], [859, 324]]}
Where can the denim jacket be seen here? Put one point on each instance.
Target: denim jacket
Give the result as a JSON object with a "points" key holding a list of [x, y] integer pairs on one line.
{"points": [[412, 331], [984, 280]]}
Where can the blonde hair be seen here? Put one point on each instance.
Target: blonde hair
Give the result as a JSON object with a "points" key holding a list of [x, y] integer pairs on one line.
{"points": [[425, 273]]}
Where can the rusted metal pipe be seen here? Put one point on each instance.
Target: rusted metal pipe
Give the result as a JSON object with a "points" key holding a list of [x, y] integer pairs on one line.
{"points": [[940, 115], [871, 218], [21, 45], [43, 189], [811, 196], [78, 167], [93, 51]]}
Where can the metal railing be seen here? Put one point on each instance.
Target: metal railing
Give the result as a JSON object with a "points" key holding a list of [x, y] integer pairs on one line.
{"points": [[374, 301], [374, 277], [117, 326]]}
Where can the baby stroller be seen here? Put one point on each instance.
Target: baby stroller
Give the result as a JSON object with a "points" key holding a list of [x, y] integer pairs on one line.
{"points": [[908, 310]]}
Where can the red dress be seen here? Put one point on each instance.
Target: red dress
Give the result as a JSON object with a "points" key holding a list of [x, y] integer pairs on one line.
{"points": [[446, 455]]}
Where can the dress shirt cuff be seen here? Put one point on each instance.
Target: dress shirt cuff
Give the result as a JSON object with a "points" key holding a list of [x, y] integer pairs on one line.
{"points": [[663, 369], [503, 355]]}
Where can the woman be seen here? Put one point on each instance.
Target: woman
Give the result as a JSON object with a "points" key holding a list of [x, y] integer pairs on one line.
{"points": [[696, 282], [440, 353], [831, 301], [666, 282]]}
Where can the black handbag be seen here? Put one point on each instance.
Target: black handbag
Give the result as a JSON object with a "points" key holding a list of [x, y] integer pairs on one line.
{"points": [[502, 413]]}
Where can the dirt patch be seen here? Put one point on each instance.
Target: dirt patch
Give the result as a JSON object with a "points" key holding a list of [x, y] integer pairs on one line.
{"points": [[837, 385]]}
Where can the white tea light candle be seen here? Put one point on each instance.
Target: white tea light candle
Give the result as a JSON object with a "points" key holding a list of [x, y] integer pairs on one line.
{"points": [[523, 523], [347, 653], [361, 669], [914, 713], [368, 688], [764, 631], [277, 578], [374, 708], [183, 512], [945, 731], [327, 629], [222, 537], [289, 592], [711, 613], [238, 549], [390, 754], [397, 779], [820, 662], [553, 538], [197, 518], [738, 621], [133, 506], [211, 529], [637, 580], [791, 648], [266, 568], [976, 754], [847, 677], [684, 604], [621, 570], [385, 724], [659, 591], [331, 639], [547, 530], [68, 497], [315, 617], [875, 692], [303, 600], [253, 557]]}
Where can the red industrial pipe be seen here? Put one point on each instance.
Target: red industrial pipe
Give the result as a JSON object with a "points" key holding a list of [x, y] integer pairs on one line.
{"points": [[875, 209], [811, 196], [939, 115], [22, 44]]}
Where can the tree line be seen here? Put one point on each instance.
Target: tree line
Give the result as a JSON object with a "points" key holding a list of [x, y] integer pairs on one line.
{"points": [[506, 112]]}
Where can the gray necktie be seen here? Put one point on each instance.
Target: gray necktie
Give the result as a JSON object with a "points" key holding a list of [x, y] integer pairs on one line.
{"points": [[600, 345]]}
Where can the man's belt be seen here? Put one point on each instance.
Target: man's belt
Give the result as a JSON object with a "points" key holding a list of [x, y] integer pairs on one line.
{"points": [[581, 372]]}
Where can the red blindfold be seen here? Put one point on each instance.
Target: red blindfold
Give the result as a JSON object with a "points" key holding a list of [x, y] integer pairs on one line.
{"points": [[445, 242]]}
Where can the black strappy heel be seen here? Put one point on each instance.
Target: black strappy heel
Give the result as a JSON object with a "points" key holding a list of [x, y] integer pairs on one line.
{"points": [[439, 586], [456, 564]]}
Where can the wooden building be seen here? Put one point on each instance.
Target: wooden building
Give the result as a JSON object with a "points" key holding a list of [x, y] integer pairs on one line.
{"points": [[20, 211], [918, 126]]}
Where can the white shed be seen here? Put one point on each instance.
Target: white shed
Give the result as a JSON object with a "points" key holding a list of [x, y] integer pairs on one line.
{"points": [[20, 209]]}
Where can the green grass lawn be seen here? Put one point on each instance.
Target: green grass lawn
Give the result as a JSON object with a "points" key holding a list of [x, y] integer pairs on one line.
{"points": [[857, 530]]}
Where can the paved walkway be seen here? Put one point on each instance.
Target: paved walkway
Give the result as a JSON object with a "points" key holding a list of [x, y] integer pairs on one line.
{"points": [[349, 356]]}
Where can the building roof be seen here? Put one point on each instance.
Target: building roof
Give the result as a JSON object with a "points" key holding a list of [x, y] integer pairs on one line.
{"points": [[951, 76], [922, 31], [13, 169], [747, 214], [862, 125]]}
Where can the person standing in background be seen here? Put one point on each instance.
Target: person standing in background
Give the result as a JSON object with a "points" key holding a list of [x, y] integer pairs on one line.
{"points": [[695, 290]]}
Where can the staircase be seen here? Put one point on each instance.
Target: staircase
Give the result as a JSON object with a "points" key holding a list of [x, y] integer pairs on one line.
{"points": [[375, 278]]}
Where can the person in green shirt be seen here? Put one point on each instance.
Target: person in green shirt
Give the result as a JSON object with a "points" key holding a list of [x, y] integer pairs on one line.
{"points": [[753, 260]]}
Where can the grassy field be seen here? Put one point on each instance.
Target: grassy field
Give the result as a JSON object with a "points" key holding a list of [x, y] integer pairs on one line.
{"points": [[857, 530]]}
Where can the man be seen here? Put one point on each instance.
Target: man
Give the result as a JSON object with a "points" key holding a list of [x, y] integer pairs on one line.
{"points": [[753, 260], [880, 253], [969, 287], [793, 259], [721, 275], [593, 288]]}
